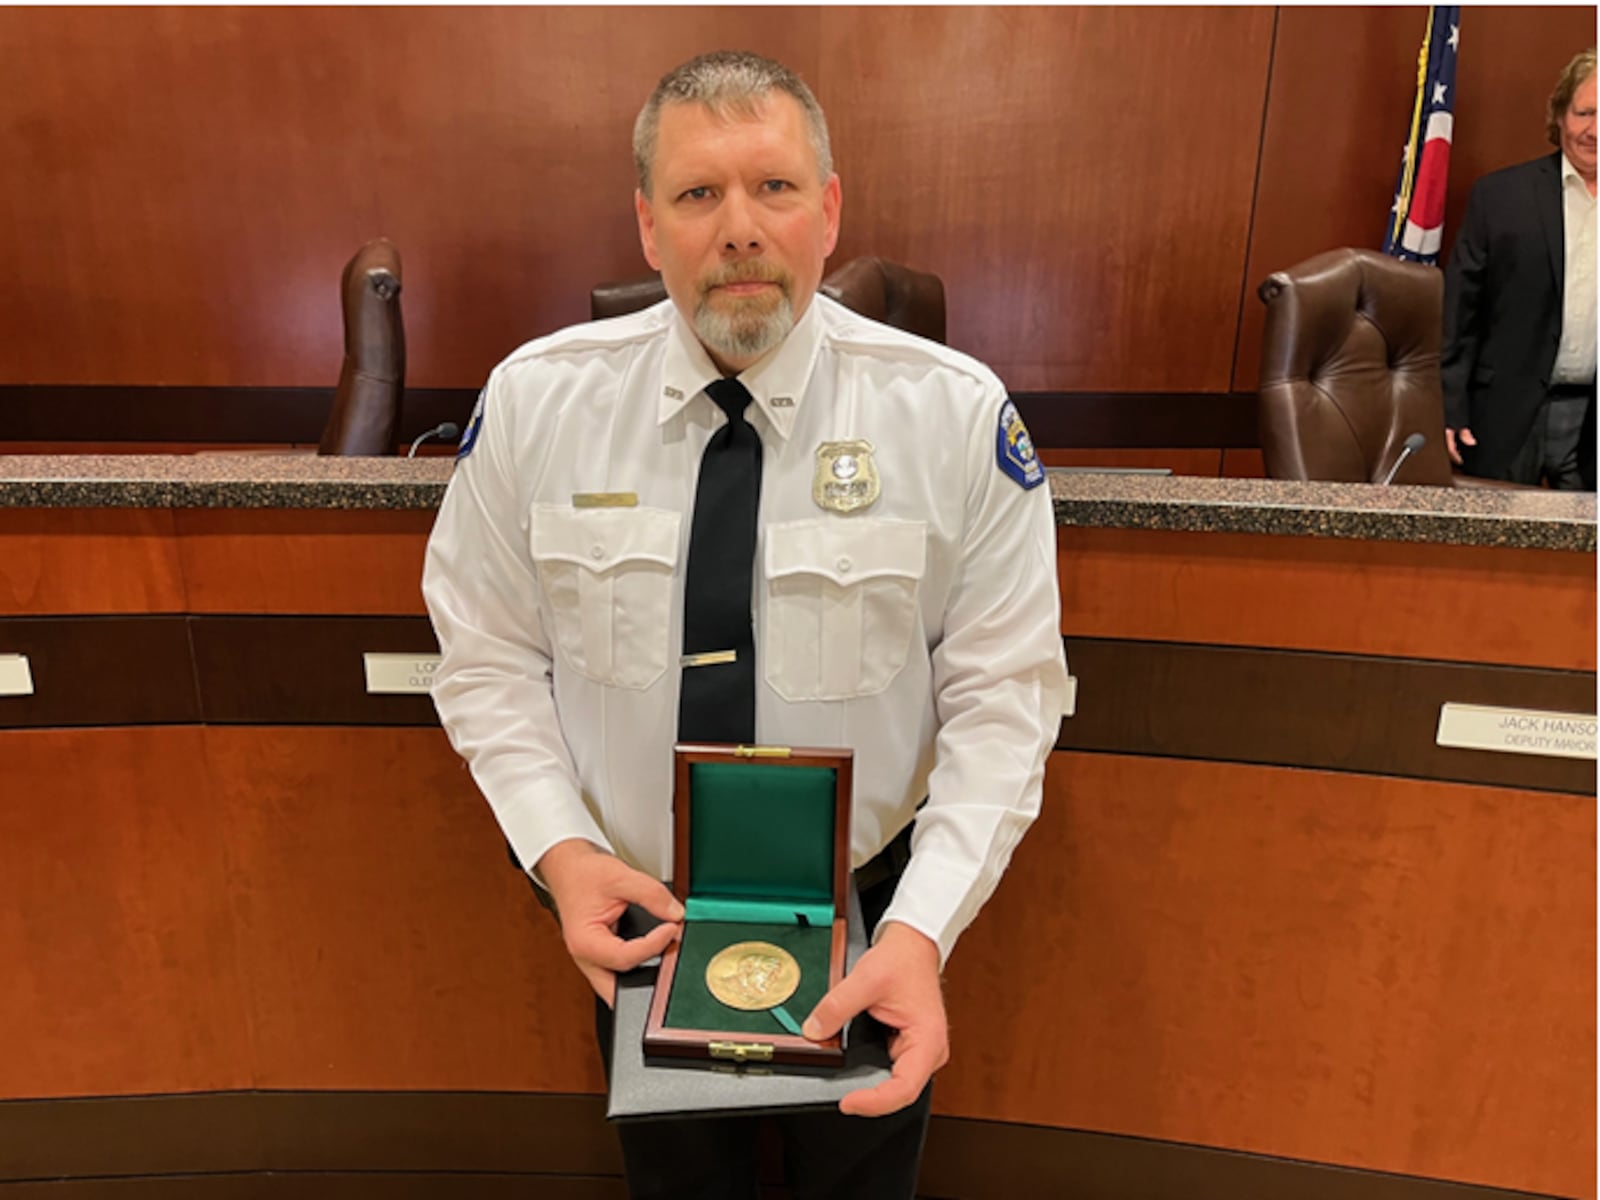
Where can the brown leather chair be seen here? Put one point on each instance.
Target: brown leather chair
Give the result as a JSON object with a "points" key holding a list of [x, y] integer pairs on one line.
{"points": [[887, 292], [874, 287], [366, 405], [624, 297], [1350, 370]]}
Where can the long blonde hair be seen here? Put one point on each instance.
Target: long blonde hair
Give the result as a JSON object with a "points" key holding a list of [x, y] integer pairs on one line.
{"points": [[1579, 69]]}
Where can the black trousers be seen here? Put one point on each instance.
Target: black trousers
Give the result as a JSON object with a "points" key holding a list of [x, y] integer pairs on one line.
{"points": [[1560, 447], [826, 1155]]}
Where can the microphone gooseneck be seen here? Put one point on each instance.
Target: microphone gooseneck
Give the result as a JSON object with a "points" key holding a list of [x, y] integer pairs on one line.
{"points": [[1412, 444], [445, 429]]}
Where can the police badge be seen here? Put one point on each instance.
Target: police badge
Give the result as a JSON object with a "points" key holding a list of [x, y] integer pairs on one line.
{"points": [[846, 478]]}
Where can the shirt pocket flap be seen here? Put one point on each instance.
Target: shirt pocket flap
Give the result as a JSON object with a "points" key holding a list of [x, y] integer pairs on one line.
{"points": [[848, 552], [602, 538]]}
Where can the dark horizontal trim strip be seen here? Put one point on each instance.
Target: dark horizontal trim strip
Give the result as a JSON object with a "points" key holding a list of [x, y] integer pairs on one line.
{"points": [[218, 1132], [114, 413], [1140, 420], [1284, 708], [304, 1185], [79, 1143], [1293, 708], [994, 1160], [304, 670], [220, 670], [101, 671]]}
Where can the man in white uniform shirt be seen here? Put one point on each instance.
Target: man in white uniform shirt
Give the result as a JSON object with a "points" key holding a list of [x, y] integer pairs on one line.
{"points": [[903, 598], [1518, 361]]}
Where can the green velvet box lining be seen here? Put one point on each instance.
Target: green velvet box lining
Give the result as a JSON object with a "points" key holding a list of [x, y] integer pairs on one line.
{"points": [[692, 1006], [762, 833], [757, 912]]}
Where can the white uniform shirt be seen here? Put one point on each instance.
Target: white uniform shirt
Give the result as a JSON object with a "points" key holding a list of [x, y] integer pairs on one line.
{"points": [[923, 632], [1576, 353]]}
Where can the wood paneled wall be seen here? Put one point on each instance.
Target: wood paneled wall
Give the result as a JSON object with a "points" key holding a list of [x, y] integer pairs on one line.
{"points": [[1101, 188], [1079, 177]]}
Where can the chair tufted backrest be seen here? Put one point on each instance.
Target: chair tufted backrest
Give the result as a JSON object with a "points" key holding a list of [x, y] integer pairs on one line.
{"points": [[1350, 369], [874, 287], [888, 292], [365, 418]]}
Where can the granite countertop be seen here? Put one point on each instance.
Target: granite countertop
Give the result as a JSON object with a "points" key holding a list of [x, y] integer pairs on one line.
{"points": [[1529, 519], [221, 480], [1458, 516]]}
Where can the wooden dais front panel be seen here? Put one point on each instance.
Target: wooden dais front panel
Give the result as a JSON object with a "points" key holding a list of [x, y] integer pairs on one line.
{"points": [[64, 561], [1388, 974], [304, 561], [1533, 608]]}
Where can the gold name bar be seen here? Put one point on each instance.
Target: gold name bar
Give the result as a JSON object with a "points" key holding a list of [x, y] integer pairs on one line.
{"points": [[605, 500]]}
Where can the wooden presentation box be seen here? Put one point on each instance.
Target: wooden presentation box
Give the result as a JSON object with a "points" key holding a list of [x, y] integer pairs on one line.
{"points": [[761, 854]]}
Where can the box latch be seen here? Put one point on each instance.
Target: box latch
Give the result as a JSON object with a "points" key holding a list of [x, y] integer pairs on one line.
{"points": [[742, 1051], [762, 752]]}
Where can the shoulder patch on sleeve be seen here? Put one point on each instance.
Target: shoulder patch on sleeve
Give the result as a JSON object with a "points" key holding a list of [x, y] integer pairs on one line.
{"points": [[474, 424], [1014, 449]]}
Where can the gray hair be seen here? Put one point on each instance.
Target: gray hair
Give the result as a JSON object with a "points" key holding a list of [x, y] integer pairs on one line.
{"points": [[727, 82]]}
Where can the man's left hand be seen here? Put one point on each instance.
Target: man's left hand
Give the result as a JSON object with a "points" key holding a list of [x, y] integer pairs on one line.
{"points": [[897, 982]]}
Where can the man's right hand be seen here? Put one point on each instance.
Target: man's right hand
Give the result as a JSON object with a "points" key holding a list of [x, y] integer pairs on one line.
{"points": [[592, 889], [1450, 436]]}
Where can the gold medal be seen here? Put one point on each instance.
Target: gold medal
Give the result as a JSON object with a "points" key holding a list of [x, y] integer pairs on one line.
{"points": [[752, 976], [846, 478]]}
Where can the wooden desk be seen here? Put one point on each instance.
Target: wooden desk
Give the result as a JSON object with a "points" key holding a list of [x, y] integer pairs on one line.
{"points": [[260, 920]]}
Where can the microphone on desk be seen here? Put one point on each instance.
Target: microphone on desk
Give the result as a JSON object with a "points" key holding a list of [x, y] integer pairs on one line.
{"points": [[445, 429], [1413, 443]]}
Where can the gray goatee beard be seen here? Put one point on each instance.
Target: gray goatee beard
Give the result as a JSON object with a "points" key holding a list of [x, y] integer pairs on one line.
{"points": [[740, 335]]}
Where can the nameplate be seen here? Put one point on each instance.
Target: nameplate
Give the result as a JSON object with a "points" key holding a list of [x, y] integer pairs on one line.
{"points": [[15, 678], [1517, 731], [400, 674], [605, 500]]}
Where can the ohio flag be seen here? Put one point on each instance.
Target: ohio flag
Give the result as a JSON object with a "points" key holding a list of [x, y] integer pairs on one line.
{"points": [[1416, 222]]}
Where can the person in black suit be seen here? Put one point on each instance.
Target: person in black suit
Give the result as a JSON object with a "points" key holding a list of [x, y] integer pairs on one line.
{"points": [[1519, 308]]}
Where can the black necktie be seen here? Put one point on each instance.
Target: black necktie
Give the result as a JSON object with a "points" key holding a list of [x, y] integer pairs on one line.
{"points": [[717, 702]]}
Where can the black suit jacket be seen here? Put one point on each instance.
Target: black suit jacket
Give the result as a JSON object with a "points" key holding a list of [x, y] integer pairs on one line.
{"points": [[1502, 310]]}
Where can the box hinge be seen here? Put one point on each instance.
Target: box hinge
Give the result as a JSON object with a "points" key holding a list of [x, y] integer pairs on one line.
{"points": [[742, 1051]]}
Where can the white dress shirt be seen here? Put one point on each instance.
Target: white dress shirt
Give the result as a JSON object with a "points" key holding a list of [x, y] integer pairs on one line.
{"points": [[1575, 355], [923, 632]]}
